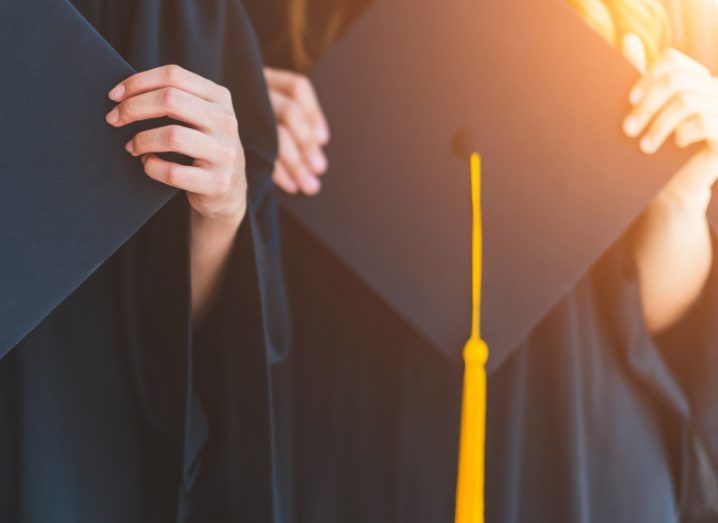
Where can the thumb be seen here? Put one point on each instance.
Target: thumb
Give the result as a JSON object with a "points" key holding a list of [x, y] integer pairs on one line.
{"points": [[635, 52]]}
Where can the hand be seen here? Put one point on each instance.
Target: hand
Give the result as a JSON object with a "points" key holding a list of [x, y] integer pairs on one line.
{"points": [[672, 243], [302, 129], [678, 97], [215, 182]]}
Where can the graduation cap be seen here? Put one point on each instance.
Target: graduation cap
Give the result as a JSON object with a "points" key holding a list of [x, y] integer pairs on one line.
{"points": [[416, 87], [70, 194]]}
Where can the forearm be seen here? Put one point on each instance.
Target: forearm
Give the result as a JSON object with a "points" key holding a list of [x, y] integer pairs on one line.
{"points": [[211, 243], [673, 254]]}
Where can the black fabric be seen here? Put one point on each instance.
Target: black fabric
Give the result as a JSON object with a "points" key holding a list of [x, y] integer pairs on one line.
{"points": [[376, 405], [587, 420], [113, 409], [326, 21], [590, 420], [691, 350]]}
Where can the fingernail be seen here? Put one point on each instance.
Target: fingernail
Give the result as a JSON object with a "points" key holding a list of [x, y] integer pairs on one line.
{"points": [[647, 145], [636, 95], [129, 147], [322, 134], [313, 185], [113, 116], [630, 126], [117, 92], [318, 161]]}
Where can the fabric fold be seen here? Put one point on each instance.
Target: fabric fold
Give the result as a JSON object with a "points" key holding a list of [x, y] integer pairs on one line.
{"points": [[115, 407]]}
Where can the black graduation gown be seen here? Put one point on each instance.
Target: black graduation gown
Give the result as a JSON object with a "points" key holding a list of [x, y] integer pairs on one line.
{"points": [[590, 420], [114, 408]]}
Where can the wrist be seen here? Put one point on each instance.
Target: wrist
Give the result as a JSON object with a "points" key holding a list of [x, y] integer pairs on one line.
{"points": [[212, 238], [685, 201], [216, 225]]}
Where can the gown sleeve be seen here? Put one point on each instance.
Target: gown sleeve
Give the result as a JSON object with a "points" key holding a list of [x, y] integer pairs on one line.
{"points": [[327, 20], [210, 382], [691, 350], [206, 384]]}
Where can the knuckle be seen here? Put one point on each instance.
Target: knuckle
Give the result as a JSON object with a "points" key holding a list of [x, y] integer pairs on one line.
{"points": [[282, 110], [228, 122], [300, 87], [126, 110], [287, 155], [150, 166], [133, 84], [170, 98], [139, 141], [173, 175], [304, 135], [671, 83], [227, 153], [223, 182], [225, 93], [668, 82], [175, 136], [683, 100], [173, 73], [676, 83], [288, 152], [293, 112], [293, 162], [283, 135]]}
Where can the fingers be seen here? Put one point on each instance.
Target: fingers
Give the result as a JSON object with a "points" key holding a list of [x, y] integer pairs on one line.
{"points": [[170, 76], [635, 52], [182, 140], [188, 178], [291, 116], [303, 131], [669, 119], [293, 162], [299, 89], [672, 89], [673, 92], [671, 62], [293, 119], [170, 102], [699, 128], [283, 180], [216, 181]]}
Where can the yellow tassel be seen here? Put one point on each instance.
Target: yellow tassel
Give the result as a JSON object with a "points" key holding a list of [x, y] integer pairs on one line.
{"points": [[470, 484]]}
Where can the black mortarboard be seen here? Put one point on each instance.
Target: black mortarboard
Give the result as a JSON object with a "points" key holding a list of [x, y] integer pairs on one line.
{"points": [[420, 84], [71, 194]]}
